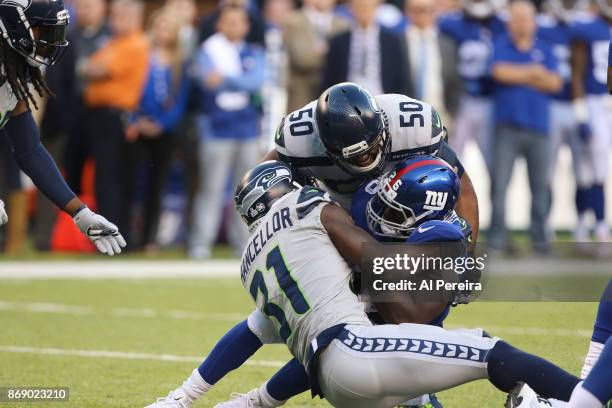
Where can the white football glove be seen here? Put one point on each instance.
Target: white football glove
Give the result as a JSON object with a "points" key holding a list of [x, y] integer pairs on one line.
{"points": [[3, 215], [100, 231]]}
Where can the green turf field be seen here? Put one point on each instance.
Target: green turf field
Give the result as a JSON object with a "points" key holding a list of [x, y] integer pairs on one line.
{"points": [[45, 323]]}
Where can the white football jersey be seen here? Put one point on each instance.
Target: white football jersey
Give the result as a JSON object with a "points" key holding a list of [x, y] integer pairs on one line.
{"points": [[414, 128], [295, 274], [8, 102]]}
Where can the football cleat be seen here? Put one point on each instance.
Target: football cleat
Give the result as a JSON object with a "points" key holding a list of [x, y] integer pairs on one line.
{"points": [[522, 396], [175, 399], [249, 400]]}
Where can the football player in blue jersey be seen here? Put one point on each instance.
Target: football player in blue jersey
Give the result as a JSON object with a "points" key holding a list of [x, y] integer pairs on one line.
{"points": [[555, 28], [34, 34], [422, 210], [593, 108], [474, 30]]}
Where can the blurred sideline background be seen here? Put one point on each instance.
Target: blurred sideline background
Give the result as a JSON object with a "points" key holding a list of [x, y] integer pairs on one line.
{"points": [[161, 159]]}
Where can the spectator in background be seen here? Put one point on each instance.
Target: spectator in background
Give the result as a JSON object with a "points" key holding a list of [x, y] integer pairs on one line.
{"points": [[274, 91], [230, 71], [89, 35], [185, 11], [432, 59], [524, 71], [474, 31], [115, 77], [257, 25], [149, 134], [368, 55], [306, 35]]}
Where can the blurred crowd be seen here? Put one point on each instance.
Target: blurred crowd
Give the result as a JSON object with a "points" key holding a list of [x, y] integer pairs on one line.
{"points": [[158, 110]]}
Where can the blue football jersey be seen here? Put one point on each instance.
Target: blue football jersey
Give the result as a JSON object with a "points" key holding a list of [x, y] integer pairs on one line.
{"points": [[474, 47], [595, 32], [558, 35], [451, 229]]}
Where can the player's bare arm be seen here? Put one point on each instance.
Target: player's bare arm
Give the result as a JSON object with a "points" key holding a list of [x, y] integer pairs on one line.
{"points": [[348, 240], [467, 207], [579, 66], [271, 155]]}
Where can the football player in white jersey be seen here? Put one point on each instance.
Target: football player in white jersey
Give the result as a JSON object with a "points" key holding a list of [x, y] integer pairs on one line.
{"points": [[34, 34], [297, 269], [348, 136]]}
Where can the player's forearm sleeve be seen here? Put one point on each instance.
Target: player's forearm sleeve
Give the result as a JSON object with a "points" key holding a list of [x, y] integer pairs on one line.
{"points": [[35, 161]]}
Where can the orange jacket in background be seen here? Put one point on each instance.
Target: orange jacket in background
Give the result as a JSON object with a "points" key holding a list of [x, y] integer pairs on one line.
{"points": [[127, 59]]}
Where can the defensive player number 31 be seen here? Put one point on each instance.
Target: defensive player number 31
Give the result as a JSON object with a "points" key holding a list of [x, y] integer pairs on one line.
{"points": [[288, 285]]}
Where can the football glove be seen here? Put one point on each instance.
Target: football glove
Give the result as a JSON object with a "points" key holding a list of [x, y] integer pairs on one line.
{"points": [[100, 231], [3, 215]]}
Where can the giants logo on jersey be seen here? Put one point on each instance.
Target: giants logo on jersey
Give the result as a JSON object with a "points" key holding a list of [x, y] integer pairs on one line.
{"points": [[435, 200]]}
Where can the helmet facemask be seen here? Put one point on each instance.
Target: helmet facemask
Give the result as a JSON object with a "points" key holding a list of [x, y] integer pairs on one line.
{"points": [[40, 41], [388, 218], [380, 149]]}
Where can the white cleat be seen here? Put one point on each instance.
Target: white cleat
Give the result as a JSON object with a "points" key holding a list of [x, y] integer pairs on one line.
{"points": [[522, 396], [249, 400], [176, 399]]}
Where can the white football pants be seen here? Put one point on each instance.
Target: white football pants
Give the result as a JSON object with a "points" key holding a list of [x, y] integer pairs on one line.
{"points": [[381, 366]]}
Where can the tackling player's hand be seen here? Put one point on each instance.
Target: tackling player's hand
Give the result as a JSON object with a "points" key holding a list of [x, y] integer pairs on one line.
{"points": [[104, 234], [3, 215]]}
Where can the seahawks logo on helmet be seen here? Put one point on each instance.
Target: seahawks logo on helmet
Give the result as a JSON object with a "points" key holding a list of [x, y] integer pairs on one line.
{"points": [[273, 176], [260, 187]]}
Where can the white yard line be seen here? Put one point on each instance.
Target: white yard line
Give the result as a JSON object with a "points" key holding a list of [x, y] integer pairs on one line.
{"points": [[115, 269], [56, 308], [124, 355]]}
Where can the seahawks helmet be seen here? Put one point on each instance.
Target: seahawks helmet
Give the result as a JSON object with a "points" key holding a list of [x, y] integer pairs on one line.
{"points": [[36, 29], [419, 189], [564, 9], [605, 7], [482, 9], [353, 129], [260, 187]]}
